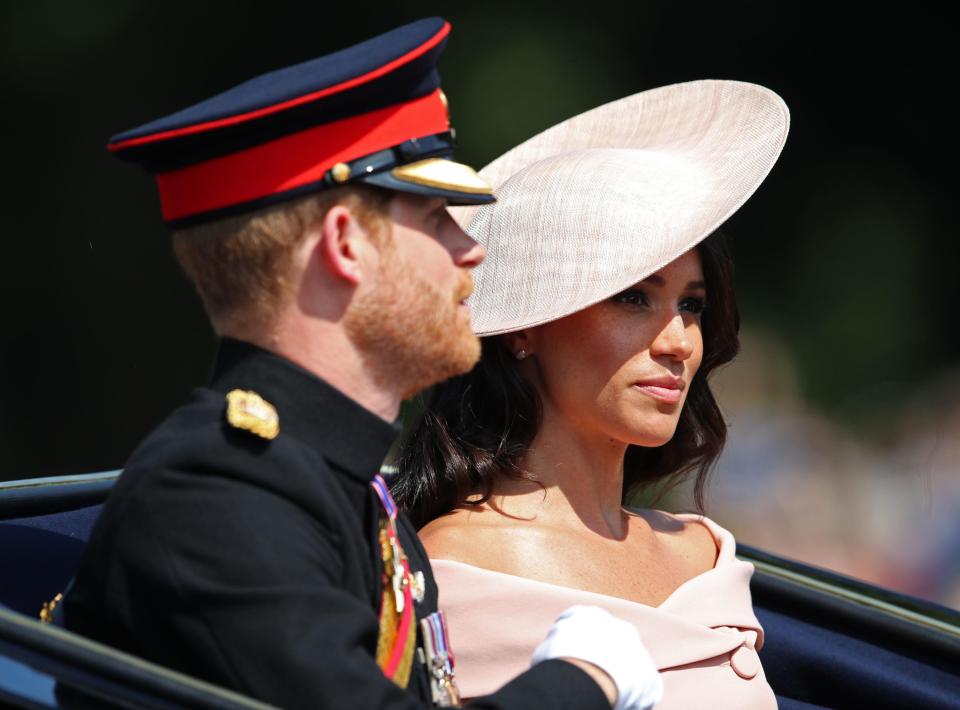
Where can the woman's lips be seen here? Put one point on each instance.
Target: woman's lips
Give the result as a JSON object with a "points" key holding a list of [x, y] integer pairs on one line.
{"points": [[663, 389]]}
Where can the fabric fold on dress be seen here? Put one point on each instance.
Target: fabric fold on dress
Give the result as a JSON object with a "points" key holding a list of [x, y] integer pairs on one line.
{"points": [[704, 637]]}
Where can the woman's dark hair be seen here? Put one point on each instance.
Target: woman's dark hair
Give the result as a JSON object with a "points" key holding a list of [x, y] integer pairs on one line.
{"points": [[478, 426]]}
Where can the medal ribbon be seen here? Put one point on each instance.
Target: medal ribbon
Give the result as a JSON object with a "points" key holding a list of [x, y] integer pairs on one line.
{"points": [[396, 665], [437, 638], [383, 493]]}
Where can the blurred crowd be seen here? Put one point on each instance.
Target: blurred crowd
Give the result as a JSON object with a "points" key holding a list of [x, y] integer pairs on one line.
{"points": [[881, 503]]}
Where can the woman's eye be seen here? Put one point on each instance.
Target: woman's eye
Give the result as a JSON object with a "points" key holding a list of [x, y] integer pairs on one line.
{"points": [[695, 306], [634, 297]]}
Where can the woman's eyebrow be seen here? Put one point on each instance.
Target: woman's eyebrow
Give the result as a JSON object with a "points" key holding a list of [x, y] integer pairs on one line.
{"points": [[659, 282]]}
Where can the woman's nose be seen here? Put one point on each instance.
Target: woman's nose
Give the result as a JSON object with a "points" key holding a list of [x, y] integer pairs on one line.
{"points": [[672, 340]]}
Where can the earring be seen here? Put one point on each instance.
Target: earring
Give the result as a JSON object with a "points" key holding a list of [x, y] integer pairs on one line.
{"points": [[520, 354]]}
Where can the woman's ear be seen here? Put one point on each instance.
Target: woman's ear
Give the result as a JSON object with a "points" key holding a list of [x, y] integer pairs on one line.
{"points": [[519, 344]]}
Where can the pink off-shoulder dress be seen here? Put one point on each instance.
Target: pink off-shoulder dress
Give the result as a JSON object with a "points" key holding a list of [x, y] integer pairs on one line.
{"points": [[704, 637]]}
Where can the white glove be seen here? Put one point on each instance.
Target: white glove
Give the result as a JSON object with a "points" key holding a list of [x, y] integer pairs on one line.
{"points": [[593, 635]]}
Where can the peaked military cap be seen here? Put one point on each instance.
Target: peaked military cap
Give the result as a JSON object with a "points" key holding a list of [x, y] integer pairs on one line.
{"points": [[371, 113]]}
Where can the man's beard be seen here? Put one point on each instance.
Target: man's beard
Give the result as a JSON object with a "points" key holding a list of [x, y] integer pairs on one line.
{"points": [[411, 334]]}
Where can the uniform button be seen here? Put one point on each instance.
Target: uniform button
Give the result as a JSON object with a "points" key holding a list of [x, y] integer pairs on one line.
{"points": [[745, 662]]}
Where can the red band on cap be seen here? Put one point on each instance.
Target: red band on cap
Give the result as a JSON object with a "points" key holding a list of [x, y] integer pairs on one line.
{"points": [[298, 159], [267, 110]]}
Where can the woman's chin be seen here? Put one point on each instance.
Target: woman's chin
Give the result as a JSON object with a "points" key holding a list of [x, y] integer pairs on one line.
{"points": [[652, 437]]}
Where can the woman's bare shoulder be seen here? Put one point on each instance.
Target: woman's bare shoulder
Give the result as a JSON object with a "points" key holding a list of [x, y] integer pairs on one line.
{"points": [[457, 535], [691, 539], [477, 536]]}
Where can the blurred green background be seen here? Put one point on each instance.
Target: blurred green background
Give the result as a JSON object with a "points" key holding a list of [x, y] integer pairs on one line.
{"points": [[846, 256]]}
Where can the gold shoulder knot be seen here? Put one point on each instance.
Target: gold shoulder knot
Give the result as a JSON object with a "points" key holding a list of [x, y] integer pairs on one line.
{"points": [[249, 411]]}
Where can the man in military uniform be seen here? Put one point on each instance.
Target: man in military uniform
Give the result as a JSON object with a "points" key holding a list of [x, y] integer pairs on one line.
{"points": [[250, 541]]}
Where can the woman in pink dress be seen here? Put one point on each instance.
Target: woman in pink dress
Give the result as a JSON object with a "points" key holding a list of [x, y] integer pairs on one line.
{"points": [[607, 300]]}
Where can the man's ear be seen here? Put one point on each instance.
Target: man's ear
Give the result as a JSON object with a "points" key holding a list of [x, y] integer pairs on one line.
{"points": [[340, 244]]}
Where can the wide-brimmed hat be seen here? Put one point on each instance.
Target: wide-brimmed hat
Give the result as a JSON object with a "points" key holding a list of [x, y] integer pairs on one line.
{"points": [[603, 200]]}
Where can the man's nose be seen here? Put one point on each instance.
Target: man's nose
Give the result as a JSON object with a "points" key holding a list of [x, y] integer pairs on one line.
{"points": [[467, 252]]}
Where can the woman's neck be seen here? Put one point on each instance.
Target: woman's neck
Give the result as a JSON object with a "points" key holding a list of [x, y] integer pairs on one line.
{"points": [[580, 477]]}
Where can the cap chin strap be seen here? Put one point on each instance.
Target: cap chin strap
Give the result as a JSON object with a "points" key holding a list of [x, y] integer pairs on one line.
{"points": [[436, 145], [419, 166]]}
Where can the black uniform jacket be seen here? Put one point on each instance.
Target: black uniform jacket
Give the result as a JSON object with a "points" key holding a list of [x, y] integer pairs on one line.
{"points": [[253, 563]]}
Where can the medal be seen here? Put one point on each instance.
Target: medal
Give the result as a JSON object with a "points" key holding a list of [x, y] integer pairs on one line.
{"points": [[439, 658], [398, 631], [399, 578]]}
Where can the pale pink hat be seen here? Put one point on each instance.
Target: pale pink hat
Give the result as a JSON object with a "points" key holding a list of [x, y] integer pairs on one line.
{"points": [[599, 202]]}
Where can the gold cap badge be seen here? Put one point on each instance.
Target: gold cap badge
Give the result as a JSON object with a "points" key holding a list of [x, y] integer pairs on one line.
{"points": [[249, 411]]}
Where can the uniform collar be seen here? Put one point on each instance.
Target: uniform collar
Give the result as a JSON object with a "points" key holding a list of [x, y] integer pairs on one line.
{"points": [[347, 434]]}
